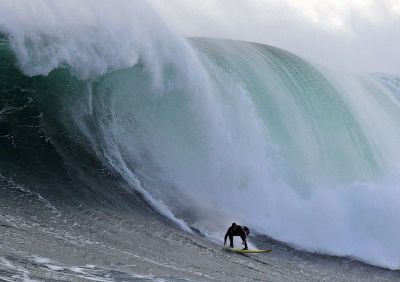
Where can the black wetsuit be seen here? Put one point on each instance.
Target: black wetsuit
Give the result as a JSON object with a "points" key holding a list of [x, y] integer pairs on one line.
{"points": [[236, 231]]}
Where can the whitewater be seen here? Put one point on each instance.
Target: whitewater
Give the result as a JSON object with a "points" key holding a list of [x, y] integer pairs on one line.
{"points": [[107, 107]]}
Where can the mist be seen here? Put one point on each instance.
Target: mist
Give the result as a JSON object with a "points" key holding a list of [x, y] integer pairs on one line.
{"points": [[357, 36]]}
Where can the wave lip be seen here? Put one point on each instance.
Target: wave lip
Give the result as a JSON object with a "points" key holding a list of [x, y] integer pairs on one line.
{"points": [[45, 36]]}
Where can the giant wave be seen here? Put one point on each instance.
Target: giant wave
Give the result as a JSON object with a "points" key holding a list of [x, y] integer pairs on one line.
{"points": [[208, 131]]}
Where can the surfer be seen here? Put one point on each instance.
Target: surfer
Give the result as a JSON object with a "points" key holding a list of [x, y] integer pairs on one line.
{"points": [[237, 230]]}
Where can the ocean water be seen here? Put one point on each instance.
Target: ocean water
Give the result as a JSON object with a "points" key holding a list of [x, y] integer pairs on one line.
{"points": [[112, 123]]}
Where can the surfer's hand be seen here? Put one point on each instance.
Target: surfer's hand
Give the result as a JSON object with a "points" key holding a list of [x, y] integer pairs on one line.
{"points": [[224, 243]]}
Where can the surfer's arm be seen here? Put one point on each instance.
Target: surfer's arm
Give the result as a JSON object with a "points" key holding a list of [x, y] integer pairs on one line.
{"points": [[226, 235]]}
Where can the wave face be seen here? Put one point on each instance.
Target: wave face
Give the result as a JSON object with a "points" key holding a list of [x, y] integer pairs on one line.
{"points": [[209, 131]]}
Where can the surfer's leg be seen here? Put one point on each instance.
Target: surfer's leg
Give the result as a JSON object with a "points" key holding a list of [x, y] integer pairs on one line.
{"points": [[244, 242], [231, 240]]}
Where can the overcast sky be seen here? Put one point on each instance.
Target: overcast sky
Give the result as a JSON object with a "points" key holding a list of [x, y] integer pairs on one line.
{"points": [[343, 34]]}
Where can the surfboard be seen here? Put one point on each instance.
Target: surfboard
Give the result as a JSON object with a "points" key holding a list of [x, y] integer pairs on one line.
{"points": [[248, 251]]}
